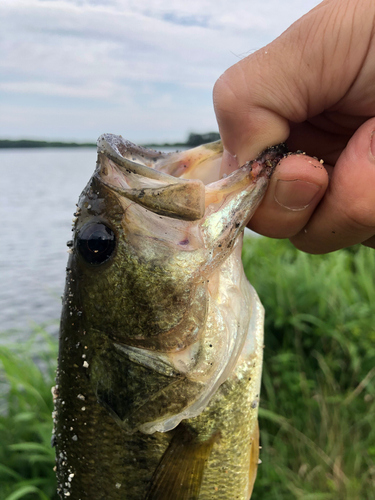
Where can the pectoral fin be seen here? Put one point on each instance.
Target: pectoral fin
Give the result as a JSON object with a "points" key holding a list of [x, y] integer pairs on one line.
{"points": [[179, 474], [254, 458]]}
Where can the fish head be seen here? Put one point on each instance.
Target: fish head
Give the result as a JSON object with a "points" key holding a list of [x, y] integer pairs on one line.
{"points": [[151, 231]]}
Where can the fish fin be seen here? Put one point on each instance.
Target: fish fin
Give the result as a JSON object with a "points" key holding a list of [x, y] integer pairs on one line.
{"points": [[254, 458], [180, 471]]}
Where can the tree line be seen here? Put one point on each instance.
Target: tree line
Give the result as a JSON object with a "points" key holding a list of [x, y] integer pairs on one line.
{"points": [[192, 141]]}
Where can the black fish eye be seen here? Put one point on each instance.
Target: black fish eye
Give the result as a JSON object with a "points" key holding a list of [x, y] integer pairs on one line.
{"points": [[96, 243]]}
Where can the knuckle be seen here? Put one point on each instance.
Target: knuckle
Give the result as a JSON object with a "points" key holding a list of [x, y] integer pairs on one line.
{"points": [[359, 216], [217, 93], [225, 92]]}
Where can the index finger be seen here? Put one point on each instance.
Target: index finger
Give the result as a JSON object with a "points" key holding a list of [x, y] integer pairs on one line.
{"points": [[305, 71]]}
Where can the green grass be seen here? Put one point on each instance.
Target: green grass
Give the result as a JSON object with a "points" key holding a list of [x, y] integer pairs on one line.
{"points": [[318, 397], [27, 371]]}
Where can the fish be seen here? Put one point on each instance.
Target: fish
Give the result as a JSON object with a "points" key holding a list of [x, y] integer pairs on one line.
{"points": [[161, 337]]}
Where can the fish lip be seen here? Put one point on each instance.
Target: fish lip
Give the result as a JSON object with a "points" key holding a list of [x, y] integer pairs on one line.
{"points": [[265, 163], [165, 194], [108, 144], [144, 162], [111, 145]]}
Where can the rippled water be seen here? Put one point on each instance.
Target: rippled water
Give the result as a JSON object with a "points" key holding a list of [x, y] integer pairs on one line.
{"points": [[39, 190]]}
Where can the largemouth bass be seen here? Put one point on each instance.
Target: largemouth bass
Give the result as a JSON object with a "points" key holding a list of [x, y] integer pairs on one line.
{"points": [[161, 338]]}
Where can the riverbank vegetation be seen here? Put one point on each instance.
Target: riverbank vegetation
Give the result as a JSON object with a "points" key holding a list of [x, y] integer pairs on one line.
{"points": [[29, 143], [192, 141], [318, 395]]}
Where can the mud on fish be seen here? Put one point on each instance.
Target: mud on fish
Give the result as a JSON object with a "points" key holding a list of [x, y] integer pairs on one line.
{"points": [[161, 339]]}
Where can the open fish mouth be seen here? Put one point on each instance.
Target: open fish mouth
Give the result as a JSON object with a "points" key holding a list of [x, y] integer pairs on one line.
{"points": [[186, 309], [180, 185]]}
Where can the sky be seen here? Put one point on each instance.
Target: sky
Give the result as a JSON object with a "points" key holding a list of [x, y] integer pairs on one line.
{"points": [[74, 69]]}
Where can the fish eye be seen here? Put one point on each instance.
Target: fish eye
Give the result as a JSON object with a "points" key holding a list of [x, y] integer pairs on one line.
{"points": [[96, 243]]}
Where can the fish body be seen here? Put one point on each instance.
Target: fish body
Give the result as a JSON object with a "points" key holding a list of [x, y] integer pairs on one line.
{"points": [[161, 337]]}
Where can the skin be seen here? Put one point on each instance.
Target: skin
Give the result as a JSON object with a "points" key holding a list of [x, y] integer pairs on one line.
{"points": [[313, 87]]}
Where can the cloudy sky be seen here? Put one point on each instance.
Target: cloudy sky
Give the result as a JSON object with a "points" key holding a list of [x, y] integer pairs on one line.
{"points": [[73, 69]]}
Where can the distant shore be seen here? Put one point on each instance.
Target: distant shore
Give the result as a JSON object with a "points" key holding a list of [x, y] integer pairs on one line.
{"points": [[192, 141], [28, 143]]}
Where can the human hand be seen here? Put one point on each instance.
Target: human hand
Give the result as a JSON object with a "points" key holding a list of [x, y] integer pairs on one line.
{"points": [[313, 87]]}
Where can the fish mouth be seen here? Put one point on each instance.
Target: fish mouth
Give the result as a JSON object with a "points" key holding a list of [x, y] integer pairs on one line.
{"points": [[180, 185], [133, 172]]}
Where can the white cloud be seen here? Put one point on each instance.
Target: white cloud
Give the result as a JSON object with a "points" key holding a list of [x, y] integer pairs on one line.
{"points": [[103, 89], [148, 54]]}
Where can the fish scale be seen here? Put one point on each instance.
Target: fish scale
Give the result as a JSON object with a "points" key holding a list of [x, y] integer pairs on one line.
{"points": [[97, 457], [161, 337]]}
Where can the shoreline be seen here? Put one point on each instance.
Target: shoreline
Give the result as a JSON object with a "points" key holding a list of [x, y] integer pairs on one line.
{"points": [[192, 141]]}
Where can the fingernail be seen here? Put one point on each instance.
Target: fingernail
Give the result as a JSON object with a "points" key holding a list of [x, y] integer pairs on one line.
{"points": [[372, 144], [295, 195]]}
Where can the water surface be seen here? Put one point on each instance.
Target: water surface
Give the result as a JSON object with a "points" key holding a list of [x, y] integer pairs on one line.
{"points": [[39, 190]]}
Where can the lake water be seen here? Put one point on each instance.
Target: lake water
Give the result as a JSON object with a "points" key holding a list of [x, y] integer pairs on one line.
{"points": [[39, 190]]}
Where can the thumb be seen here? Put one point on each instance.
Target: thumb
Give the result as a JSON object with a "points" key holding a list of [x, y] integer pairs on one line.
{"points": [[346, 215]]}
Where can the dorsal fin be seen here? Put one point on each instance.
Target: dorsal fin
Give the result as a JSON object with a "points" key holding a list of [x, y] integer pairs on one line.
{"points": [[254, 458], [180, 471]]}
